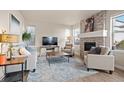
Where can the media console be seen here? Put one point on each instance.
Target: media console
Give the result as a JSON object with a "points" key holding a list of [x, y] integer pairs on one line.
{"points": [[49, 47]]}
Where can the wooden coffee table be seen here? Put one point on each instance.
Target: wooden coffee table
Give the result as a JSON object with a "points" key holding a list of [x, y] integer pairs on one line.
{"points": [[56, 54]]}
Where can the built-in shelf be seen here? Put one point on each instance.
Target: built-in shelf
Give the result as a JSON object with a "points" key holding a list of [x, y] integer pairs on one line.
{"points": [[101, 33]]}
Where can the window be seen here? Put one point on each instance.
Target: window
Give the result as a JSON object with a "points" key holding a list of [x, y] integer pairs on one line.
{"points": [[14, 25], [118, 32], [76, 33], [31, 29]]}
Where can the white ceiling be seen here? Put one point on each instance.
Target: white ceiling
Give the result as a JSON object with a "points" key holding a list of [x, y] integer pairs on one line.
{"points": [[66, 17]]}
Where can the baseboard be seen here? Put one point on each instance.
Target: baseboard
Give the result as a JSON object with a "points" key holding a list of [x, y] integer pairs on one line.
{"points": [[119, 67]]}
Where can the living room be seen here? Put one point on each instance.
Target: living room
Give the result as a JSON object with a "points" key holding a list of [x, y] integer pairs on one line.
{"points": [[59, 46], [65, 46]]}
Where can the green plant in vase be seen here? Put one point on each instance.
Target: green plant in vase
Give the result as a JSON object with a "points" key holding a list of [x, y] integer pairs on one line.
{"points": [[26, 37]]}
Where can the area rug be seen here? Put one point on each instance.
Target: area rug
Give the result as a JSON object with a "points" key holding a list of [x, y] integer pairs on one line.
{"points": [[59, 70]]}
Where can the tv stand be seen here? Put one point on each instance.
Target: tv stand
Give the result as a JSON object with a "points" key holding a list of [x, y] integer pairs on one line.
{"points": [[49, 47]]}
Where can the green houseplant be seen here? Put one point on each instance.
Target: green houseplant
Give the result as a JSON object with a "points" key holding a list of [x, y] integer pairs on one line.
{"points": [[26, 37]]}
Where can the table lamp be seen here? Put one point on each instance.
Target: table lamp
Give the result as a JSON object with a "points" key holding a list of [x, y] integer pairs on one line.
{"points": [[9, 38]]}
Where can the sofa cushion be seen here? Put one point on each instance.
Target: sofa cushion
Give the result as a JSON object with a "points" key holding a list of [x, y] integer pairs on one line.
{"points": [[68, 47], [92, 50], [98, 50], [95, 50], [104, 50], [15, 50], [67, 50], [23, 51]]}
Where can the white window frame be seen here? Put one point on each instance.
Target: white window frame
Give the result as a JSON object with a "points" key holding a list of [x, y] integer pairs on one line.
{"points": [[111, 28], [34, 35]]}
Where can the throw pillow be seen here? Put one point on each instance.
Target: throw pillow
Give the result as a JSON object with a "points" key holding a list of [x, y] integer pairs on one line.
{"points": [[104, 50], [23, 51], [98, 50], [92, 50], [15, 51], [95, 50], [68, 47]]}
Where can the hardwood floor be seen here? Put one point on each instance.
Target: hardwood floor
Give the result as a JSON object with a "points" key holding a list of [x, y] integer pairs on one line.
{"points": [[15, 77], [101, 76], [117, 76]]}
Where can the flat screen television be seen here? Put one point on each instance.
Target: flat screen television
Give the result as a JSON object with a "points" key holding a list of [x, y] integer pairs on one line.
{"points": [[49, 41]]}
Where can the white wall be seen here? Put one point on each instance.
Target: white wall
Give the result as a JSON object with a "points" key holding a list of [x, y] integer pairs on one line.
{"points": [[49, 29], [5, 23]]}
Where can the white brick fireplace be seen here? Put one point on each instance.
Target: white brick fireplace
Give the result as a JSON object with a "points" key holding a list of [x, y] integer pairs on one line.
{"points": [[99, 37]]}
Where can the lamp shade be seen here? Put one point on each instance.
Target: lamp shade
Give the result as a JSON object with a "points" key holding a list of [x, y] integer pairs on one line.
{"points": [[9, 38]]}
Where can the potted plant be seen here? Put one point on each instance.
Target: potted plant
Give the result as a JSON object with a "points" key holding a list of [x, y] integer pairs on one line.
{"points": [[26, 37]]}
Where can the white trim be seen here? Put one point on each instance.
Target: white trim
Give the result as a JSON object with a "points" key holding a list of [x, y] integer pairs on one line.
{"points": [[118, 14], [101, 33], [111, 26], [119, 67]]}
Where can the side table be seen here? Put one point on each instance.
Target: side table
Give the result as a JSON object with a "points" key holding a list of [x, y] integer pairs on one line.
{"points": [[15, 61]]}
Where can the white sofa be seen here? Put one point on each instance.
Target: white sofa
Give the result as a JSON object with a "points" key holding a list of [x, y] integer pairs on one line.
{"points": [[31, 61], [100, 61]]}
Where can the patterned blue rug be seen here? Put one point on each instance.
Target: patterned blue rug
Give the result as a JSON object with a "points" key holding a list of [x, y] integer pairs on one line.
{"points": [[55, 60], [59, 70]]}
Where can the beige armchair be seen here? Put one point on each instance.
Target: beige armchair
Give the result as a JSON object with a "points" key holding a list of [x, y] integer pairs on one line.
{"points": [[101, 61], [68, 49]]}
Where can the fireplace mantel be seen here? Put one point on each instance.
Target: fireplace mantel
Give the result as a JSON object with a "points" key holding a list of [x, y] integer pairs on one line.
{"points": [[101, 33]]}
